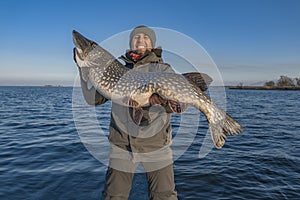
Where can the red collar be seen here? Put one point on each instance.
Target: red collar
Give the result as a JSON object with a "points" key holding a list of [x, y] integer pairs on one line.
{"points": [[135, 56]]}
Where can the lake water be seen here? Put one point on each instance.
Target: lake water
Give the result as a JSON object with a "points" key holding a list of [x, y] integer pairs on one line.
{"points": [[43, 157]]}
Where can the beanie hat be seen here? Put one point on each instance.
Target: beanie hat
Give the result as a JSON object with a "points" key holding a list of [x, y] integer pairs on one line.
{"points": [[143, 29]]}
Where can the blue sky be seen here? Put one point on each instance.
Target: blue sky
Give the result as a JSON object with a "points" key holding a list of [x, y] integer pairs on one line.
{"points": [[249, 40]]}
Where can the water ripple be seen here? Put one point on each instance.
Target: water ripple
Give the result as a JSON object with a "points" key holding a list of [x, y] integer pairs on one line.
{"points": [[42, 156]]}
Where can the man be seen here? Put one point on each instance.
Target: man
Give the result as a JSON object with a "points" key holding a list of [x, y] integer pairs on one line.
{"points": [[147, 142]]}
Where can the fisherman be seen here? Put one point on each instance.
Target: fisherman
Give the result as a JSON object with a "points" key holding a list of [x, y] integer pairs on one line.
{"points": [[148, 142]]}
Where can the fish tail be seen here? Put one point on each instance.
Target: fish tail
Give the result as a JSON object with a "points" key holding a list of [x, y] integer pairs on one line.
{"points": [[220, 123], [221, 129]]}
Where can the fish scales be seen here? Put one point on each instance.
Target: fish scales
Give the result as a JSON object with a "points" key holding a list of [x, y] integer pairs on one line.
{"points": [[116, 82]]}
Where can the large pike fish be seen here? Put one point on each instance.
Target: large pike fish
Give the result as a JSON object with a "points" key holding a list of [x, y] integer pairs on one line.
{"points": [[133, 88]]}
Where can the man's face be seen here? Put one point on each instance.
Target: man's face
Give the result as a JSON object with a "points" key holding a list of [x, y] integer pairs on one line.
{"points": [[141, 42]]}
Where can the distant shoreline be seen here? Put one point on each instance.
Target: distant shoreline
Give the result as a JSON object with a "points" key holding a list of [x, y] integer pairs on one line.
{"points": [[53, 86], [264, 87], [228, 87]]}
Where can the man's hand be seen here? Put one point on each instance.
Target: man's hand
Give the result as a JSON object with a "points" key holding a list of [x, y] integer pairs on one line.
{"points": [[155, 99]]}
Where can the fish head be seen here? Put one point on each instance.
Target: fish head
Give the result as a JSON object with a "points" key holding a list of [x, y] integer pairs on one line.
{"points": [[83, 47], [88, 53]]}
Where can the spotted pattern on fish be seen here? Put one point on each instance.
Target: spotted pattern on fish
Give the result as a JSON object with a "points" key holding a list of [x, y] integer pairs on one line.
{"points": [[120, 84]]}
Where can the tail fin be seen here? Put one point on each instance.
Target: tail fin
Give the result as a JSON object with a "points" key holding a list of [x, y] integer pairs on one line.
{"points": [[221, 129]]}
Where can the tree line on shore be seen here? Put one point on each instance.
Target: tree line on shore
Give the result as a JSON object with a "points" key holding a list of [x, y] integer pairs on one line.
{"points": [[284, 81]]}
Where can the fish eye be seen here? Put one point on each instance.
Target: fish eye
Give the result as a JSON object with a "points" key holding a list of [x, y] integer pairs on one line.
{"points": [[85, 54]]}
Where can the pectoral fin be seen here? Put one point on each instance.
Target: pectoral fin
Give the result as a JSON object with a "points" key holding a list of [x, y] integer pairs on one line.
{"points": [[137, 115], [137, 111]]}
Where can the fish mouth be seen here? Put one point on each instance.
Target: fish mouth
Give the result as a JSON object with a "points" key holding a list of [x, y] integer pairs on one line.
{"points": [[82, 45], [77, 56]]}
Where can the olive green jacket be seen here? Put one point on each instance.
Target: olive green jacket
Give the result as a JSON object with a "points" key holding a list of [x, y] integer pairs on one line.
{"points": [[154, 131]]}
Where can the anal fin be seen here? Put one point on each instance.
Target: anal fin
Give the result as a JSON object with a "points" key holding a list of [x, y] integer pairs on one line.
{"points": [[137, 115]]}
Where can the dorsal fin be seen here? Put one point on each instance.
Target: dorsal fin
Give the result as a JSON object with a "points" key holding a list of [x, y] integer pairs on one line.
{"points": [[200, 80]]}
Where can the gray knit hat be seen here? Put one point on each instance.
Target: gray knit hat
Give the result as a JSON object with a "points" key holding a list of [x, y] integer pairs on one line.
{"points": [[143, 29]]}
